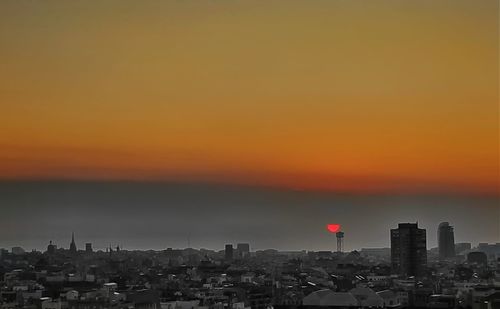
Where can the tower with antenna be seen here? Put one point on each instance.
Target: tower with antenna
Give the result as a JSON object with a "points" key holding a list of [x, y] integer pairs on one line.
{"points": [[334, 228], [340, 241]]}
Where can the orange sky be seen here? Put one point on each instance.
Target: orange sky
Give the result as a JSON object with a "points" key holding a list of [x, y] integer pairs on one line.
{"points": [[390, 96]]}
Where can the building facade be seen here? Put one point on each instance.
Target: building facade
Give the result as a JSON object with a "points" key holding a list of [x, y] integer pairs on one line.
{"points": [[446, 241], [228, 252], [408, 250]]}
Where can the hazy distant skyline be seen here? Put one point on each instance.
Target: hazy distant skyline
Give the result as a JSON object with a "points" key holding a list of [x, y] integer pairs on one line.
{"points": [[157, 215], [346, 96]]}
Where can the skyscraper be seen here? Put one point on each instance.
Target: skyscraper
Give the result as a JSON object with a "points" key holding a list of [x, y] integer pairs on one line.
{"points": [[408, 250], [446, 241], [72, 246], [88, 247]]}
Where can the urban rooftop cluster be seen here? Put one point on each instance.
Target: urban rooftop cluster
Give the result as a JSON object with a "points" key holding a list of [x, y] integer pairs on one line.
{"points": [[406, 275]]}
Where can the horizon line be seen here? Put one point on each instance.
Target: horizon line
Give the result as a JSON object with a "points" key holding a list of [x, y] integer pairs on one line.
{"points": [[451, 191]]}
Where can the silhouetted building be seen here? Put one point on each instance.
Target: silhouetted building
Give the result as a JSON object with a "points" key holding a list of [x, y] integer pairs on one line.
{"points": [[72, 246], [88, 247], [491, 250], [477, 257], [228, 252], [340, 241], [243, 249], [408, 250], [17, 250], [376, 252], [462, 247], [446, 241], [51, 249]]}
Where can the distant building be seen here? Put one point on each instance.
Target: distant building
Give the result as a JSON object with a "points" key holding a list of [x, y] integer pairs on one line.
{"points": [[408, 250], [17, 250], [446, 241], [477, 257], [243, 249], [72, 245], [228, 252], [491, 250], [88, 247], [462, 247], [51, 248]]}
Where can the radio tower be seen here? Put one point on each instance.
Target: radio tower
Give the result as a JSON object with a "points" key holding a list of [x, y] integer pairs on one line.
{"points": [[340, 241]]}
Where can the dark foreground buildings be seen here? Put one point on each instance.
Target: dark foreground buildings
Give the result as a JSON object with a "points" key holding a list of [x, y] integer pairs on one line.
{"points": [[408, 250], [235, 278]]}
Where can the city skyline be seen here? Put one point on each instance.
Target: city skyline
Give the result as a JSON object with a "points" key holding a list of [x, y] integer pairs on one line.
{"points": [[227, 154], [160, 215], [87, 246]]}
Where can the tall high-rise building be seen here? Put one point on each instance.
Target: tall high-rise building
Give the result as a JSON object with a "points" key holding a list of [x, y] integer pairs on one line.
{"points": [[228, 252], [88, 247], [408, 250], [446, 241], [72, 246]]}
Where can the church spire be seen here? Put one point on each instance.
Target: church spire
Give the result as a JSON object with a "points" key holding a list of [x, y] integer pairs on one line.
{"points": [[72, 246]]}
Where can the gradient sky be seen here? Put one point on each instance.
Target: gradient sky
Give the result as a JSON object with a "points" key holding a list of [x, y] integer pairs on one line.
{"points": [[306, 112], [392, 96]]}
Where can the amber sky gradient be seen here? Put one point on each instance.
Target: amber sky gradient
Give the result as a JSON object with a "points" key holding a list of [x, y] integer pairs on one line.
{"points": [[383, 96]]}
